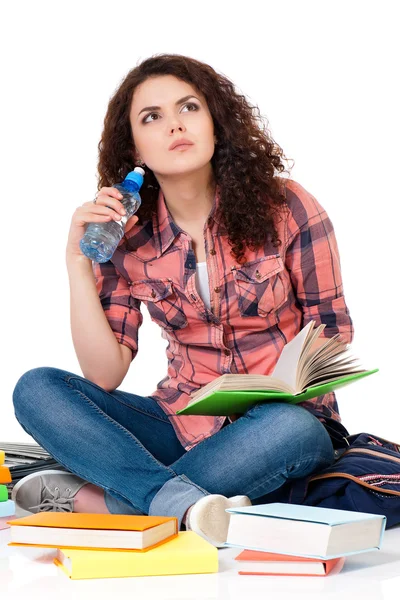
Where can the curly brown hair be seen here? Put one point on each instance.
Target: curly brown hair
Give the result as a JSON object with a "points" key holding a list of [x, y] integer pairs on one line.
{"points": [[245, 163]]}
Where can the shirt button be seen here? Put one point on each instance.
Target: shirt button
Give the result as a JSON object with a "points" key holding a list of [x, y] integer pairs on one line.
{"points": [[212, 251], [227, 352], [217, 290]]}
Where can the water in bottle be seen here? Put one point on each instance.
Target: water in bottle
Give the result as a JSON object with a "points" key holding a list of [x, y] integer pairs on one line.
{"points": [[101, 239]]}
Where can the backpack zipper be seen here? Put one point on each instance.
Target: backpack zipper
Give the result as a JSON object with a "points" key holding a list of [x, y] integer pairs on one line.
{"points": [[355, 479]]}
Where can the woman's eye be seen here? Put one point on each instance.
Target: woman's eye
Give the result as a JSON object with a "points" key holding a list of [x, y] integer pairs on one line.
{"points": [[195, 107], [192, 104], [145, 119]]}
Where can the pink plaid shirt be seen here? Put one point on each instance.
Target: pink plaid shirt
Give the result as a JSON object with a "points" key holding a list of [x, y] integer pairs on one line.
{"points": [[255, 308]]}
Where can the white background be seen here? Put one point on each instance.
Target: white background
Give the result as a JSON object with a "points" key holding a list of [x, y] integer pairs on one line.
{"points": [[325, 77]]}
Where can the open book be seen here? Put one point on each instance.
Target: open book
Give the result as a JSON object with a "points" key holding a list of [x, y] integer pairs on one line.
{"points": [[299, 374]]}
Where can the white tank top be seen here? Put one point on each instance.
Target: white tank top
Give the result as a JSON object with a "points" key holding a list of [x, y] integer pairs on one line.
{"points": [[202, 283]]}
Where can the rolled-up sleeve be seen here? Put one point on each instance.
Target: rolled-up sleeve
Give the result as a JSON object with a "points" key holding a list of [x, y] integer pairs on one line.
{"points": [[121, 309], [313, 261]]}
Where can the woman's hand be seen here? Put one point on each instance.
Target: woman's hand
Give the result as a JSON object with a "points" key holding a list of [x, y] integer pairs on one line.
{"points": [[108, 206]]}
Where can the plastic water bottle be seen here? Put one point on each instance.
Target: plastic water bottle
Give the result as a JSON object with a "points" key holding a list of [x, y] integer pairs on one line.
{"points": [[101, 239]]}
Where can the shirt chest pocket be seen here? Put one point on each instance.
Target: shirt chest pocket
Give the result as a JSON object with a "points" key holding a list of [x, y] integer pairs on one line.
{"points": [[162, 301], [261, 286]]}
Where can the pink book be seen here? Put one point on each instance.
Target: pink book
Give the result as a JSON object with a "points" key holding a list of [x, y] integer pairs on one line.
{"points": [[3, 521], [255, 562]]}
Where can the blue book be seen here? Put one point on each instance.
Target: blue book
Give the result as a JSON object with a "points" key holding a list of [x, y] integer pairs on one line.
{"points": [[7, 508], [308, 531]]}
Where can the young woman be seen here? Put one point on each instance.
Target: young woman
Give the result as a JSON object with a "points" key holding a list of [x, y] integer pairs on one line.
{"points": [[231, 261]]}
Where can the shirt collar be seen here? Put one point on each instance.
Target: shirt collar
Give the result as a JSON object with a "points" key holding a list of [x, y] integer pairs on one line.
{"points": [[166, 230]]}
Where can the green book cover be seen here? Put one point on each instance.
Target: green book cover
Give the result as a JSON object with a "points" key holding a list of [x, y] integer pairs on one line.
{"points": [[226, 403], [3, 493]]}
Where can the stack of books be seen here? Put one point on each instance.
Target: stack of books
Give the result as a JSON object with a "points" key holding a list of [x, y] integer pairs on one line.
{"points": [[23, 459], [290, 539], [275, 539], [7, 507], [91, 546]]}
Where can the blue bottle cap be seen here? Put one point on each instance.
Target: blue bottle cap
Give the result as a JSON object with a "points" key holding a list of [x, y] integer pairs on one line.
{"points": [[135, 176]]}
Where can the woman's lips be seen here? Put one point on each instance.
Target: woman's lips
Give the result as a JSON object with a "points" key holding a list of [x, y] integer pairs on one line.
{"points": [[182, 147]]}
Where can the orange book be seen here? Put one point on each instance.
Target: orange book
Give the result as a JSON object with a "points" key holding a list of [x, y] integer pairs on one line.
{"points": [[5, 474], [92, 531], [255, 562]]}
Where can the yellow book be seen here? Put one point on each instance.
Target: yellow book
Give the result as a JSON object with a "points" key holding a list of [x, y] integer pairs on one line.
{"points": [[2, 457], [188, 553]]}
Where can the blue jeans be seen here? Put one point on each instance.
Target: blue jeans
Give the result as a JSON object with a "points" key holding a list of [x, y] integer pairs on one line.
{"points": [[125, 444]]}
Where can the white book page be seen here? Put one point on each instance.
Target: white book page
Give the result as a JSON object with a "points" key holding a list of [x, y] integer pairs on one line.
{"points": [[286, 367]]}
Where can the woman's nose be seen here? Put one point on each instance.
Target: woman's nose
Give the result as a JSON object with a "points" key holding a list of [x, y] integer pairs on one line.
{"points": [[175, 124]]}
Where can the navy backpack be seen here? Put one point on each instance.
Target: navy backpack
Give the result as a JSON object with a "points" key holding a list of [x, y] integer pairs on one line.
{"points": [[365, 477]]}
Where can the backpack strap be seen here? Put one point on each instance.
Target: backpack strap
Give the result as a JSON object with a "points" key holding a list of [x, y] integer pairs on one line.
{"points": [[356, 480]]}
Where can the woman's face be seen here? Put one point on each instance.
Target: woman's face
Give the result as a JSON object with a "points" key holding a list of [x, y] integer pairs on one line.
{"points": [[155, 129]]}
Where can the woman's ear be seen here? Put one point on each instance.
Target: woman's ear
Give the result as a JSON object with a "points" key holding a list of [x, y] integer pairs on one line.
{"points": [[137, 160]]}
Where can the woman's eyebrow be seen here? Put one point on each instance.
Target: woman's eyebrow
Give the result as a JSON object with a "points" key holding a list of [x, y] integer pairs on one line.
{"points": [[176, 103]]}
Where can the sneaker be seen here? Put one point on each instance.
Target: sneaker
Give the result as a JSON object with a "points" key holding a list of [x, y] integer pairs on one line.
{"points": [[209, 519], [50, 490]]}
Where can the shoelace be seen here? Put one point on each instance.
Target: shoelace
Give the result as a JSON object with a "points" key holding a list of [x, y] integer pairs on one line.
{"points": [[56, 502]]}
